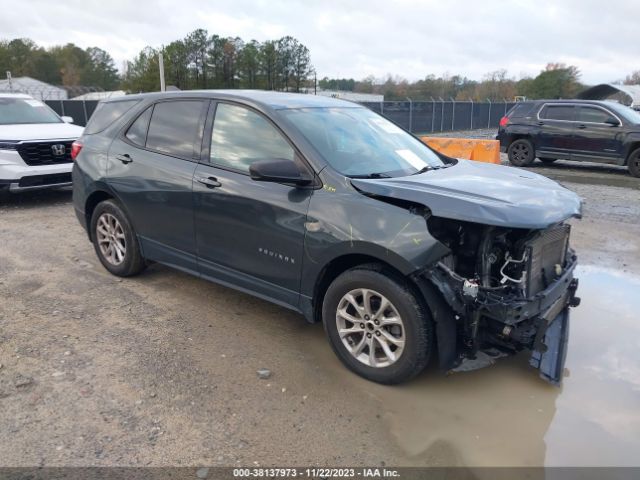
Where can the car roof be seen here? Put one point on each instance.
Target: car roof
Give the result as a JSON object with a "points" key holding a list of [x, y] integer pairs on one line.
{"points": [[14, 95], [569, 100], [268, 98]]}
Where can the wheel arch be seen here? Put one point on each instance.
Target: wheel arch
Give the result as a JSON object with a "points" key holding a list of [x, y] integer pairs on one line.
{"points": [[341, 264], [96, 197], [631, 147], [426, 293], [520, 136]]}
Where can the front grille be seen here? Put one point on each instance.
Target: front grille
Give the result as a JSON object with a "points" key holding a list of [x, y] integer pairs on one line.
{"points": [[43, 180], [545, 251], [42, 153]]}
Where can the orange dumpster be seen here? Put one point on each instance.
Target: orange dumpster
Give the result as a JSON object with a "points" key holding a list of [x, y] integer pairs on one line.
{"points": [[470, 148]]}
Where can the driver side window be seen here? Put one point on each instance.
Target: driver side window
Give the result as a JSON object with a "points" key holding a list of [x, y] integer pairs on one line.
{"points": [[241, 136]]}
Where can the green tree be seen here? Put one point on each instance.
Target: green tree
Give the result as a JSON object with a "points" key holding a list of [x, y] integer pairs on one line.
{"points": [[557, 80], [143, 73], [101, 70]]}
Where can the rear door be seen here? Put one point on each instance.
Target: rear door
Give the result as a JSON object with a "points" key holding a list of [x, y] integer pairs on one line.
{"points": [[249, 234], [598, 134], [151, 168], [555, 137]]}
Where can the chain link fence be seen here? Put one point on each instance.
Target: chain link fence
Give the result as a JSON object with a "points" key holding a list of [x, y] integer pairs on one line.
{"points": [[417, 117], [442, 116]]}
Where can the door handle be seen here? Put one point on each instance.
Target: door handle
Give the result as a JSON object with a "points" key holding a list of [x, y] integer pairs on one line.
{"points": [[581, 126], [209, 182], [124, 158]]}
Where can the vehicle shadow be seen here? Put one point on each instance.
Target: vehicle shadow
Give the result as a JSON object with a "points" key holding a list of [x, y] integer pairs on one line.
{"points": [[35, 199]]}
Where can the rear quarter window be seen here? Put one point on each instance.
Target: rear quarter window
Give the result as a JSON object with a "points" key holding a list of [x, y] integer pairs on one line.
{"points": [[520, 110], [106, 113]]}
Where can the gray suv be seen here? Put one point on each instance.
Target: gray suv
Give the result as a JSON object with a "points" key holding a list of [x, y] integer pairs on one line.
{"points": [[326, 208]]}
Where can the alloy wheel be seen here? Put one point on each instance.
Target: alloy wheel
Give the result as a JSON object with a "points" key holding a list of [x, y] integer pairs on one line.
{"points": [[111, 239], [370, 328], [521, 152]]}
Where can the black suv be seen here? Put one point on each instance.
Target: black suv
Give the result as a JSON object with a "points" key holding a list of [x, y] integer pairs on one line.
{"points": [[324, 207], [606, 132]]}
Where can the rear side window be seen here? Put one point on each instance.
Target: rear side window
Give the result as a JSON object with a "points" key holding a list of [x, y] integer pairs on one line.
{"points": [[593, 115], [558, 112], [176, 127], [106, 113], [137, 132], [520, 110]]}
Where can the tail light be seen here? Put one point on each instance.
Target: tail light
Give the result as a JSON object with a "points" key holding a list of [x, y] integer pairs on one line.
{"points": [[504, 121], [75, 149]]}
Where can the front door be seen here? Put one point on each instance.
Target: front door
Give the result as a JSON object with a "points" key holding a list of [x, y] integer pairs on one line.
{"points": [[151, 170], [555, 136], [248, 233], [598, 134]]}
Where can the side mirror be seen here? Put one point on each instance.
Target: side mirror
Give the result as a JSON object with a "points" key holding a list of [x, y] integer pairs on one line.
{"points": [[279, 170], [612, 122], [67, 119]]}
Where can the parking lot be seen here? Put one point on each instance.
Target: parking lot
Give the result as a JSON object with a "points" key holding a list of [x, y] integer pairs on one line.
{"points": [[160, 369]]}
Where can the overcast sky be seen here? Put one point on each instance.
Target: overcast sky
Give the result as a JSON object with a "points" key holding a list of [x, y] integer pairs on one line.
{"points": [[409, 38]]}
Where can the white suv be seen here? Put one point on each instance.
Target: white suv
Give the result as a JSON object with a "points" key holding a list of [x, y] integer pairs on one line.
{"points": [[35, 144]]}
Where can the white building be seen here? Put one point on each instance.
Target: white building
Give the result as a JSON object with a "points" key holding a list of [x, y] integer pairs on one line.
{"points": [[35, 88]]}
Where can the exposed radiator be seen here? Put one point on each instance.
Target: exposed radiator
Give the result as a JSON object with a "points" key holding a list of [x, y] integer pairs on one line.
{"points": [[545, 251]]}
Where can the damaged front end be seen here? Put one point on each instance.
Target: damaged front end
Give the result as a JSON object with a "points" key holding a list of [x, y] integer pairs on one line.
{"points": [[509, 289]]}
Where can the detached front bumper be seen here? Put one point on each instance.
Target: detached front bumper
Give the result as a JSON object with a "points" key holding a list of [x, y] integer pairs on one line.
{"points": [[489, 322]]}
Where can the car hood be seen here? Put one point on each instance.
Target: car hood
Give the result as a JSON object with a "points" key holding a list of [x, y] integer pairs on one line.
{"points": [[40, 131], [482, 193]]}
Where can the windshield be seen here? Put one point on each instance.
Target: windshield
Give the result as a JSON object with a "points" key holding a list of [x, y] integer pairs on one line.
{"points": [[25, 110], [628, 113], [360, 143]]}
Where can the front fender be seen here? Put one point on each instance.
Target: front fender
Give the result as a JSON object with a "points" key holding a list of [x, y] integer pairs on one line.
{"points": [[345, 222]]}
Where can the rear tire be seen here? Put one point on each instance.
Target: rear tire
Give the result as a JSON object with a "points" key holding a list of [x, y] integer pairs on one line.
{"points": [[521, 152], [633, 164], [385, 314], [115, 241], [547, 161]]}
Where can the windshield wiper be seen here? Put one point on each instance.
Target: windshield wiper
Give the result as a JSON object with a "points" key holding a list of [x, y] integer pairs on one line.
{"points": [[371, 175], [423, 170], [428, 168]]}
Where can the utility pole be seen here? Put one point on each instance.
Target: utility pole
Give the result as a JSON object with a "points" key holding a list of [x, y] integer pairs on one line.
{"points": [[9, 79], [161, 67]]}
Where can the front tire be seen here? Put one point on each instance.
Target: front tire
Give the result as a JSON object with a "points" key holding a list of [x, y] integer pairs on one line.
{"points": [[115, 241], [377, 326], [633, 164], [521, 152]]}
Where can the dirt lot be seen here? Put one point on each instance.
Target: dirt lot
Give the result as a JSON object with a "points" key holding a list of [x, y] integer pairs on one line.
{"points": [[161, 369]]}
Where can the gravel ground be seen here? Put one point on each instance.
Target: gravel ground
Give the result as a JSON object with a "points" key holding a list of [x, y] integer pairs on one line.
{"points": [[161, 369]]}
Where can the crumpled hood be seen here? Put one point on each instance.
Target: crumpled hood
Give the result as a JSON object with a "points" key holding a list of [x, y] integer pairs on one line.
{"points": [[482, 193], [40, 131]]}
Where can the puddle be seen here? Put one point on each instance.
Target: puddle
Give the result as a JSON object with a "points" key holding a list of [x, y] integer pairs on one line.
{"points": [[506, 416]]}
